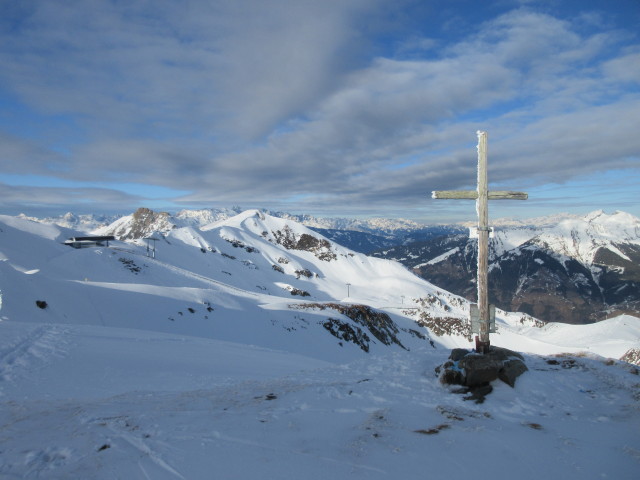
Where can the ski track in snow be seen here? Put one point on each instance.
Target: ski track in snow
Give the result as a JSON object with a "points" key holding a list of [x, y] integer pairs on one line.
{"points": [[31, 350]]}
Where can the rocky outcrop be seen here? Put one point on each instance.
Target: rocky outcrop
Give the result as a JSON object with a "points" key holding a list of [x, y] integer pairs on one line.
{"points": [[349, 333], [321, 248], [364, 319], [632, 356], [142, 223], [475, 372]]}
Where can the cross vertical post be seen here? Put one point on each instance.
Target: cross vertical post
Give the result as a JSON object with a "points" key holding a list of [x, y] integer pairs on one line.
{"points": [[482, 205], [482, 195]]}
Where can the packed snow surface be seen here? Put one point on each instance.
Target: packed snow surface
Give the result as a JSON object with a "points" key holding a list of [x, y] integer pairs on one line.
{"points": [[201, 364]]}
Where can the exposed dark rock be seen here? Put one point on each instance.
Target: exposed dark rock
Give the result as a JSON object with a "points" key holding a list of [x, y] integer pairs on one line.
{"points": [[632, 356], [379, 324], [143, 223], [458, 353], [534, 426], [441, 325], [130, 265], [450, 374], [479, 393], [347, 332], [434, 430], [238, 244], [420, 335], [302, 293], [511, 369], [479, 369], [321, 248], [504, 354], [305, 272], [475, 371]]}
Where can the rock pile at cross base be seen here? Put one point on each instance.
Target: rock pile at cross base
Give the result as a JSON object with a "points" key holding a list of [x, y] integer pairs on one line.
{"points": [[474, 372]]}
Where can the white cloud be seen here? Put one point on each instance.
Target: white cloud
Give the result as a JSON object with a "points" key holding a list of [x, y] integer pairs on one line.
{"points": [[18, 198], [375, 119], [240, 67], [21, 156], [273, 100], [624, 69]]}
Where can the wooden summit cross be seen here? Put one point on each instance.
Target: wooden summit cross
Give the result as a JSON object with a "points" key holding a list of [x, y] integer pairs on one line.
{"points": [[482, 196]]}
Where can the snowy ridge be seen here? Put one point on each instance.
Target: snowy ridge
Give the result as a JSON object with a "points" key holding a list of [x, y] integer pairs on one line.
{"points": [[245, 257], [165, 221], [576, 237], [582, 238], [142, 223]]}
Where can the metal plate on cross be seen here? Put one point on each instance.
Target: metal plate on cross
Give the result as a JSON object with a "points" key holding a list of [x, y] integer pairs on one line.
{"points": [[474, 313], [473, 232]]}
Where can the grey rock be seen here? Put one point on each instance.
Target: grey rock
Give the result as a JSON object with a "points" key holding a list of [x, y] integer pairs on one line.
{"points": [[476, 371], [458, 353], [503, 354], [512, 369], [479, 369]]}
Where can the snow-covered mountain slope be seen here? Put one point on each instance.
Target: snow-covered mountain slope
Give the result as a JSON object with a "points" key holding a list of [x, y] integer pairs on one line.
{"points": [[584, 238], [144, 222], [282, 272], [255, 346], [360, 235], [578, 271], [251, 278]]}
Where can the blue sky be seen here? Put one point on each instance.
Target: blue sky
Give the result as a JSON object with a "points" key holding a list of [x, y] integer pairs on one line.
{"points": [[333, 108]]}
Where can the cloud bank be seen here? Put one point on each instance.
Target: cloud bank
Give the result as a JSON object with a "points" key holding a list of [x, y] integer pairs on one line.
{"points": [[345, 107]]}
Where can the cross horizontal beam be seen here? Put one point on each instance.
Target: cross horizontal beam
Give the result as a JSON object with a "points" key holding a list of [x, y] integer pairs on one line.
{"points": [[473, 195]]}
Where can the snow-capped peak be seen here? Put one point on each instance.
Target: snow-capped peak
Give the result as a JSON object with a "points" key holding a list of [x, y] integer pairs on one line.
{"points": [[582, 238]]}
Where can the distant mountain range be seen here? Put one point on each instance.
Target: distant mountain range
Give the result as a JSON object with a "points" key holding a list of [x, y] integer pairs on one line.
{"points": [[560, 268], [82, 223], [573, 270], [357, 234]]}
